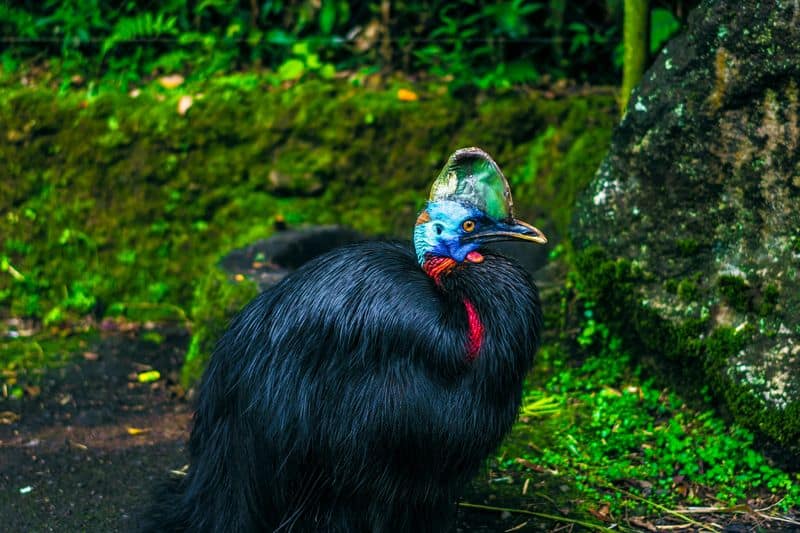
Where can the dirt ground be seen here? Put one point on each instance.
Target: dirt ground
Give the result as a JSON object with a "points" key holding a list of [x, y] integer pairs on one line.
{"points": [[85, 452]]}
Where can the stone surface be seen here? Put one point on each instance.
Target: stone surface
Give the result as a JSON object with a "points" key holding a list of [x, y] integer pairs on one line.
{"points": [[691, 228]]}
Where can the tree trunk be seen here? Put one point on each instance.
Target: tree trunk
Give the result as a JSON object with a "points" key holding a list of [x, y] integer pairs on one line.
{"points": [[635, 36]]}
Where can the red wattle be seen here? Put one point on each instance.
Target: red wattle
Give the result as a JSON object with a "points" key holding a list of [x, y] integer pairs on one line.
{"points": [[474, 257]]}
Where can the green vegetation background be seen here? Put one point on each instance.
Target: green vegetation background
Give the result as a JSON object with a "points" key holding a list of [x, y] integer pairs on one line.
{"points": [[121, 188]]}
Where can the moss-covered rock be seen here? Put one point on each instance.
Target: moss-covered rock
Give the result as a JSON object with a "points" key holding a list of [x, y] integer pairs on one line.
{"points": [[700, 195], [217, 298]]}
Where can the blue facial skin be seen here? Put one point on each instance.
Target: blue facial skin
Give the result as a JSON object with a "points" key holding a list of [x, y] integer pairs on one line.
{"points": [[442, 235]]}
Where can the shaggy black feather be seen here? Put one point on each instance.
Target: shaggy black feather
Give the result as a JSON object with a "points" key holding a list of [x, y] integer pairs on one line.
{"points": [[341, 400]]}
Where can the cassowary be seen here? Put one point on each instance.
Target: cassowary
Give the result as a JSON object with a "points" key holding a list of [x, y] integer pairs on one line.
{"points": [[363, 391]]}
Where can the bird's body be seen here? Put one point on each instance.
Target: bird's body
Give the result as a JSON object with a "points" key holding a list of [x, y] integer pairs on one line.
{"points": [[359, 394]]}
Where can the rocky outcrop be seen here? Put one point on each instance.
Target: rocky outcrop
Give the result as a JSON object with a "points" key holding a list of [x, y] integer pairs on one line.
{"points": [[690, 231]]}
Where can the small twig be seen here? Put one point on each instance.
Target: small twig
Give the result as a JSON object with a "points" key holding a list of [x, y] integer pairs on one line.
{"points": [[16, 274], [742, 508], [546, 516], [517, 527], [778, 518], [668, 511], [768, 507], [182, 471]]}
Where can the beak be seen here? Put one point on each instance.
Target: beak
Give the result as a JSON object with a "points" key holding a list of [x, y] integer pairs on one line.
{"points": [[508, 231]]}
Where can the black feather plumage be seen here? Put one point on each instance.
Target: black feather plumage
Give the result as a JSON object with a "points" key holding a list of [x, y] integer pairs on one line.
{"points": [[342, 398]]}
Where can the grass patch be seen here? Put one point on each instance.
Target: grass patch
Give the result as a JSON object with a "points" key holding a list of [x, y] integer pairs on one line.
{"points": [[630, 451]]}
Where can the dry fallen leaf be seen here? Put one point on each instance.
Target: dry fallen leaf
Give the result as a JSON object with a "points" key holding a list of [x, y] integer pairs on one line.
{"points": [[184, 104], [8, 417], [91, 356], [405, 95], [171, 81], [640, 522], [64, 399], [602, 513]]}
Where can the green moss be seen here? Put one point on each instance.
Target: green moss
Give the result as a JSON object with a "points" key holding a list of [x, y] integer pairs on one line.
{"points": [[687, 290], [736, 292], [216, 299], [671, 286], [781, 426], [769, 297], [687, 344], [687, 247], [611, 425]]}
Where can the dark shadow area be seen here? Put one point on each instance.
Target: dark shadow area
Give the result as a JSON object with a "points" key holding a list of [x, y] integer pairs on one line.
{"points": [[267, 261]]}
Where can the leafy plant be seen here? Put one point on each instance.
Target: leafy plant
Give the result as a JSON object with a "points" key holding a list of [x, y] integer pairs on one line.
{"points": [[304, 61], [145, 27], [663, 25], [477, 44]]}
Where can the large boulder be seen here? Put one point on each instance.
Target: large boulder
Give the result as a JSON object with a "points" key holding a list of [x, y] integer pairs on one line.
{"points": [[689, 234]]}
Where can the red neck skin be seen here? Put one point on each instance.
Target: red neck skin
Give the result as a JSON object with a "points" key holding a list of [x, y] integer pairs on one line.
{"points": [[436, 267], [475, 332]]}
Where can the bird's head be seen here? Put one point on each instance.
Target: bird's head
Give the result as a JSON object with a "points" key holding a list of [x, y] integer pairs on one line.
{"points": [[470, 205]]}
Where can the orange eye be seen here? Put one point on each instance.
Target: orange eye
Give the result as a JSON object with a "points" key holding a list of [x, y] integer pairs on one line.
{"points": [[468, 225]]}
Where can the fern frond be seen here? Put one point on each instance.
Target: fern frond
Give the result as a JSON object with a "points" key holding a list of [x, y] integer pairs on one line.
{"points": [[139, 28]]}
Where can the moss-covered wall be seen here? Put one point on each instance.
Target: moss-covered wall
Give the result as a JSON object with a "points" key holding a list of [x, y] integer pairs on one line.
{"points": [[115, 204]]}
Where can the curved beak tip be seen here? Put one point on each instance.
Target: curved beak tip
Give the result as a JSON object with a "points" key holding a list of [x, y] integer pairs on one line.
{"points": [[524, 231]]}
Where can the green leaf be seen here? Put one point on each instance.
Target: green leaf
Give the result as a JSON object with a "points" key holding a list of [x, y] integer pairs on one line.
{"points": [[300, 48], [149, 376], [54, 316], [279, 37], [327, 71], [291, 69], [663, 25], [312, 61], [327, 16]]}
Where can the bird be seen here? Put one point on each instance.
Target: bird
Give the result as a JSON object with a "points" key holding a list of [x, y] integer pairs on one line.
{"points": [[365, 390]]}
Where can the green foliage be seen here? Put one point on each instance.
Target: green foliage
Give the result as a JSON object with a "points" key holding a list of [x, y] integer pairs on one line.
{"points": [[663, 25], [216, 300], [302, 62], [691, 352], [476, 44], [615, 436], [142, 27]]}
